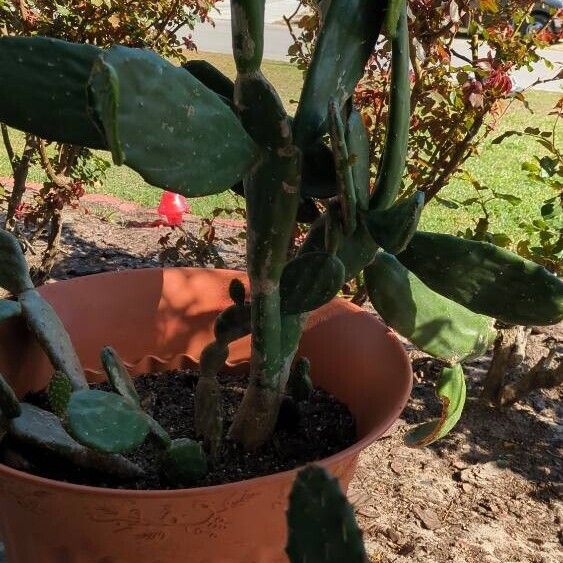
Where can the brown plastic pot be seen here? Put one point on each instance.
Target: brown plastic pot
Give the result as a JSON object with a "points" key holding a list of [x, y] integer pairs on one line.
{"points": [[160, 319]]}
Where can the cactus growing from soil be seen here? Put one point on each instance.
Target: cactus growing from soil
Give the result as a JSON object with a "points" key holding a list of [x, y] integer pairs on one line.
{"points": [[192, 131]]}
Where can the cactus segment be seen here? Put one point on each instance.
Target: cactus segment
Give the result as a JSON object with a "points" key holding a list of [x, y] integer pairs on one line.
{"points": [[309, 281], [52, 336], [247, 23], [393, 160], [451, 392], [486, 278], [357, 141], [300, 385], [118, 375], [212, 78], [333, 229], [184, 462], [43, 89], [233, 323], [59, 391], [392, 15], [160, 121], [158, 432], [9, 404], [41, 429], [106, 421], [237, 292], [14, 273], [438, 326], [345, 179], [318, 177], [345, 43], [393, 228], [321, 523], [9, 309], [355, 252]]}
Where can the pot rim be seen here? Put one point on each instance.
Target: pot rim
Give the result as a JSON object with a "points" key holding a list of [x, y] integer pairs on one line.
{"points": [[354, 450]]}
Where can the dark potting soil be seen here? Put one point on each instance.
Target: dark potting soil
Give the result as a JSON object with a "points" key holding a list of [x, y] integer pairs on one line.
{"points": [[306, 432]]}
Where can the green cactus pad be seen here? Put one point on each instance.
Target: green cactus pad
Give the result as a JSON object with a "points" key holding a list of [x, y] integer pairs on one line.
{"points": [[184, 462], [118, 375], [393, 160], [309, 281], [344, 176], [392, 15], [9, 404], [41, 429], [9, 309], [355, 251], [321, 522], [106, 421], [59, 392], [52, 336], [486, 278], [451, 392], [14, 273], [343, 48], [166, 125], [43, 89], [300, 385], [357, 140], [393, 228], [237, 292], [438, 326], [233, 323], [319, 172], [212, 78], [248, 34]]}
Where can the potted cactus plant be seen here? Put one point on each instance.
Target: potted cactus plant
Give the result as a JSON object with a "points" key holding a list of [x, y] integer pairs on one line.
{"points": [[192, 131]]}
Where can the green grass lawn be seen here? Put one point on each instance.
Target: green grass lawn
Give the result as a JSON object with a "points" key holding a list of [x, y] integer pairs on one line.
{"points": [[497, 166]]}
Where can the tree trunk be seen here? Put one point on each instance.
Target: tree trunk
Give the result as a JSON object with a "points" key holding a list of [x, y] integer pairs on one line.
{"points": [[508, 353]]}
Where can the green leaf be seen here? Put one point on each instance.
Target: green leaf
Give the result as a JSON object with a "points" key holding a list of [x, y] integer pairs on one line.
{"points": [[106, 421], [452, 392], [343, 48], [486, 279], [166, 125], [436, 325], [321, 523], [43, 89], [512, 199]]}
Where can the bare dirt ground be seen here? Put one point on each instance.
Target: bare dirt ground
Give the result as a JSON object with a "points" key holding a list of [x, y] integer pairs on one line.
{"points": [[490, 492]]}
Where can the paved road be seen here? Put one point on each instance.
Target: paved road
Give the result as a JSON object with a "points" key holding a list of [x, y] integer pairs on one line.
{"points": [[277, 40]]}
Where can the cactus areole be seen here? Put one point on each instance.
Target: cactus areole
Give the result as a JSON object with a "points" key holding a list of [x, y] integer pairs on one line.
{"points": [[192, 131]]}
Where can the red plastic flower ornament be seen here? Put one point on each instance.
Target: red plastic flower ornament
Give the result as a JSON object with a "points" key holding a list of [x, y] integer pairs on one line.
{"points": [[173, 206]]}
